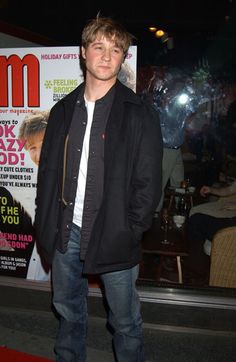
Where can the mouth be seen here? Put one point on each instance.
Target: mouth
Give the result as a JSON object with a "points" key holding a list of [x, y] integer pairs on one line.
{"points": [[104, 66]]}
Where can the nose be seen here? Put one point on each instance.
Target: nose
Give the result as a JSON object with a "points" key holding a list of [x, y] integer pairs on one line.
{"points": [[106, 55]]}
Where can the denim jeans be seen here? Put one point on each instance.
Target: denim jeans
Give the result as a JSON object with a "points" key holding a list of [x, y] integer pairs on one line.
{"points": [[124, 314], [70, 290]]}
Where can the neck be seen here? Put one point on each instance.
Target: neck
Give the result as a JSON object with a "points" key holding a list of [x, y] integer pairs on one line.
{"points": [[96, 89]]}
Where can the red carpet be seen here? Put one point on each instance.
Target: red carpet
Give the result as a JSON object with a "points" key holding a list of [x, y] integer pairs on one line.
{"points": [[10, 355]]}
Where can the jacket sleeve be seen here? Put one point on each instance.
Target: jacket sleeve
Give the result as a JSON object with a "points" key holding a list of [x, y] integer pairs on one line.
{"points": [[47, 196], [147, 173]]}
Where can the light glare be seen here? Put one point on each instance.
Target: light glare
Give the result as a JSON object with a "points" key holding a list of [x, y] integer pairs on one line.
{"points": [[183, 98]]}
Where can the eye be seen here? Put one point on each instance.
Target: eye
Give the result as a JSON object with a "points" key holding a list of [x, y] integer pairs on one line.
{"points": [[98, 47], [117, 50]]}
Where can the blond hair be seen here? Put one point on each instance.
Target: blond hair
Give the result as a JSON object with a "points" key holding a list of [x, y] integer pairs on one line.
{"points": [[33, 123], [110, 29]]}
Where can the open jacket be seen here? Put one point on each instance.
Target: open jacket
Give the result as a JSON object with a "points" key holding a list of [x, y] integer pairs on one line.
{"points": [[132, 183]]}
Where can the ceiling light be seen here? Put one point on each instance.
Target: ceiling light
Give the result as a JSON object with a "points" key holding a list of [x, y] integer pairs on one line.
{"points": [[159, 33], [152, 29]]}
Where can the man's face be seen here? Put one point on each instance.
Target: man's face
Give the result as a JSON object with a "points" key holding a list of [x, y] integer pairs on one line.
{"points": [[103, 59], [34, 144]]}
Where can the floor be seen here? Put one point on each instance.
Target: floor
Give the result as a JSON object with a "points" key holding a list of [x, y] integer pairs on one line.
{"points": [[172, 333]]}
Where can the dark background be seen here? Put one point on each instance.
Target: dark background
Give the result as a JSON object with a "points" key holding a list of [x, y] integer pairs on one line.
{"points": [[198, 28]]}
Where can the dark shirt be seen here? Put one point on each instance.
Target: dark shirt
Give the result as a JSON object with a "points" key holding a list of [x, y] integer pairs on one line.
{"points": [[95, 170]]}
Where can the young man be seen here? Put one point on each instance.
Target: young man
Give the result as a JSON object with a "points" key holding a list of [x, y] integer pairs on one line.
{"points": [[99, 181]]}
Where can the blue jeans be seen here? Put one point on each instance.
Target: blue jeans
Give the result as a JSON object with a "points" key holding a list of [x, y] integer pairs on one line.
{"points": [[70, 290]]}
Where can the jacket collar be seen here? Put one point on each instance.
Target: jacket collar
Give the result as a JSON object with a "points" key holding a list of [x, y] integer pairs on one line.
{"points": [[125, 94]]}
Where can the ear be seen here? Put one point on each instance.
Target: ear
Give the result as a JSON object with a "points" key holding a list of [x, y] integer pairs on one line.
{"points": [[83, 52]]}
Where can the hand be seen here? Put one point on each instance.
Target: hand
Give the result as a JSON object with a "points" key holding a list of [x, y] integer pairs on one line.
{"points": [[205, 190]]}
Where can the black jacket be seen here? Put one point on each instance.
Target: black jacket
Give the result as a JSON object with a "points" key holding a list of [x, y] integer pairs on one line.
{"points": [[132, 183]]}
